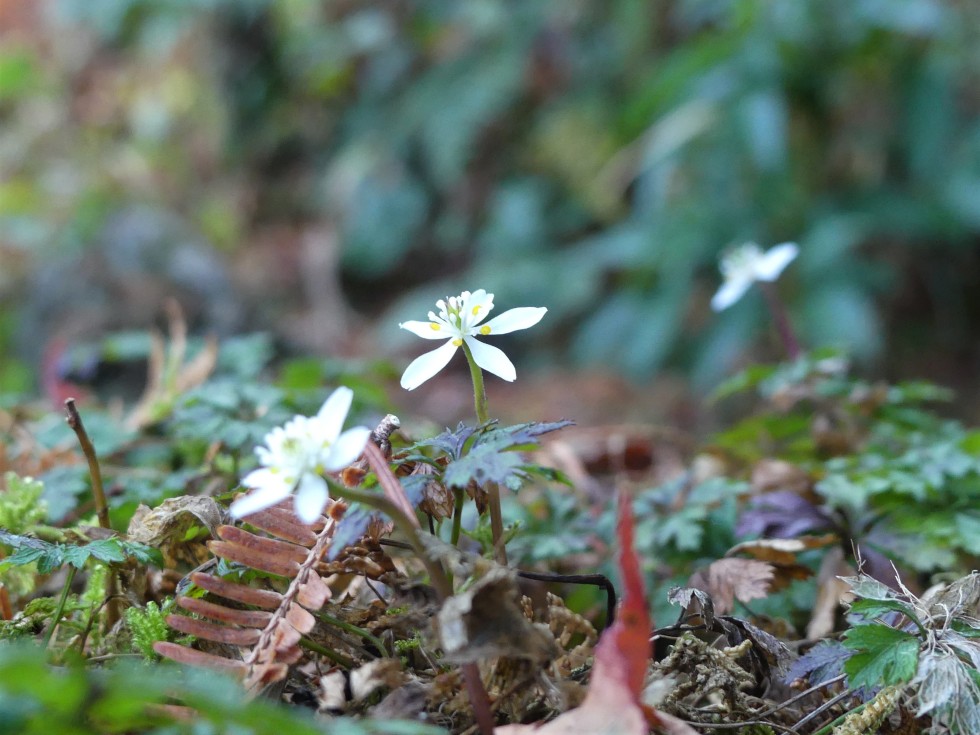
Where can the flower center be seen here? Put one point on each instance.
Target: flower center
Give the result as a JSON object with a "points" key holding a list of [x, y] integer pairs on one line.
{"points": [[740, 262]]}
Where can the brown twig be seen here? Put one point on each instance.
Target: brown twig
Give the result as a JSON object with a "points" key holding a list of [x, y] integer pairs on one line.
{"points": [[113, 610], [74, 420]]}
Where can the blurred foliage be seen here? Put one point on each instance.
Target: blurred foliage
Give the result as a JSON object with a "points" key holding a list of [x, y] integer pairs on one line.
{"points": [[876, 466], [37, 698], [592, 156]]}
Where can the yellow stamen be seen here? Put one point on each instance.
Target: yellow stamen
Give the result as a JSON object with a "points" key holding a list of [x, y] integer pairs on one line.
{"points": [[457, 342], [476, 309], [435, 327], [484, 329]]}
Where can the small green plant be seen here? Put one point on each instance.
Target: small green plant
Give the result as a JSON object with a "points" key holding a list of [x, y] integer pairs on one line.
{"points": [[921, 651], [148, 625]]}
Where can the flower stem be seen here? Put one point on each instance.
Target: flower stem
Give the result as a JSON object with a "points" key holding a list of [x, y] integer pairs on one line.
{"points": [[479, 391], [493, 490], [780, 318]]}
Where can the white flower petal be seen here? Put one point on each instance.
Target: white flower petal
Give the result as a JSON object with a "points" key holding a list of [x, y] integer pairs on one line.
{"points": [[332, 414], [492, 359], [515, 319], [265, 477], [347, 448], [311, 497], [478, 305], [425, 330], [258, 499], [731, 291], [772, 264], [425, 366]]}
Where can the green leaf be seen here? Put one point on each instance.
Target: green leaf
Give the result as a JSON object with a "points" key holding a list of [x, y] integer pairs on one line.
{"points": [[484, 464], [142, 553], [109, 549], [883, 656], [872, 609], [76, 555]]}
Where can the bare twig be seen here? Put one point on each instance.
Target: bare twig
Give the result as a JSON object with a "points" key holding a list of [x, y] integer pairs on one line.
{"points": [[74, 420], [113, 610]]}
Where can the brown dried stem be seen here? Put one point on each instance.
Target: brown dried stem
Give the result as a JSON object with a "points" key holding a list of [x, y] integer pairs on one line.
{"points": [[262, 659], [74, 420], [113, 610]]}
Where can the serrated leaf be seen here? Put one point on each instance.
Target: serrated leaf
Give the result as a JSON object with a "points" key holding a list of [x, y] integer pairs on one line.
{"points": [[27, 555], [108, 550], [484, 464], [948, 692], [76, 555], [869, 588], [872, 609], [883, 656], [143, 553], [449, 442]]}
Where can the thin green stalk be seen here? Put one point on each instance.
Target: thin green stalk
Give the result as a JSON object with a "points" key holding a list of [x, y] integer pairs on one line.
{"points": [[493, 490], [458, 498], [479, 391], [60, 610], [328, 653], [350, 628]]}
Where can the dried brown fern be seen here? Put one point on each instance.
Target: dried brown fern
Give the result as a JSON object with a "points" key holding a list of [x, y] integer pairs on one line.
{"points": [[273, 631]]}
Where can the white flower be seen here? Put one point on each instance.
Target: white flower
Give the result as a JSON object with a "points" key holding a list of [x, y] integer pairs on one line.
{"points": [[296, 455], [457, 322], [747, 264]]}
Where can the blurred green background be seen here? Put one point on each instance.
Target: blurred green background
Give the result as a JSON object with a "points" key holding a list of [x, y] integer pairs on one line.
{"points": [[325, 169]]}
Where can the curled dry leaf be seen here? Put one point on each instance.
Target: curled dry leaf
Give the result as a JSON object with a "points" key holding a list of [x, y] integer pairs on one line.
{"points": [[727, 580], [783, 554], [613, 705], [486, 621], [167, 527]]}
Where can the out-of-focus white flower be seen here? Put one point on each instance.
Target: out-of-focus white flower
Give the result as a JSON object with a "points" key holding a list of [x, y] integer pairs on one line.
{"points": [[296, 455], [747, 264], [458, 321]]}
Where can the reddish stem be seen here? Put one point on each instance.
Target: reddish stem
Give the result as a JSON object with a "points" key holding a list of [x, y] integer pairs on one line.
{"points": [[780, 318]]}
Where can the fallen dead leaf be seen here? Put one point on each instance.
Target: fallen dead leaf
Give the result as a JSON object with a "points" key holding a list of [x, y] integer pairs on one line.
{"points": [[612, 705], [727, 580]]}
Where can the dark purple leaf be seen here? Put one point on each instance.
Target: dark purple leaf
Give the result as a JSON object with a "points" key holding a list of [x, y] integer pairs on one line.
{"points": [[821, 663], [782, 514]]}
